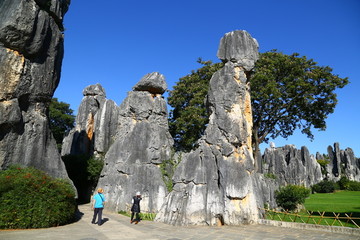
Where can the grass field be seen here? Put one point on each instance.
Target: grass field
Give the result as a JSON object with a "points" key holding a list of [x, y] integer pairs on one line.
{"points": [[340, 203]]}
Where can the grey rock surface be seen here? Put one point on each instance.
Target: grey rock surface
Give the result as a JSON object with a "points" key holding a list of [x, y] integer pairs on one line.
{"points": [[152, 82], [292, 166], [95, 124], [142, 143], [340, 163], [244, 54], [215, 183], [297, 166], [31, 53]]}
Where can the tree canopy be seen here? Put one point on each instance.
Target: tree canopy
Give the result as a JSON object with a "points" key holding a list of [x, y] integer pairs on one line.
{"points": [[288, 92], [61, 119], [188, 117]]}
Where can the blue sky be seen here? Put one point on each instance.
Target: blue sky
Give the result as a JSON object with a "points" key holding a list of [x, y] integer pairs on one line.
{"points": [[115, 43]]}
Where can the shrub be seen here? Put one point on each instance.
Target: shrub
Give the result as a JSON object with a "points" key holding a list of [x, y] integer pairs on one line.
{"points": [[31, 199], [324, 186], [270, 175], [344, 183], [354, 186], [290, 196], [323, 164], [94, 168]]}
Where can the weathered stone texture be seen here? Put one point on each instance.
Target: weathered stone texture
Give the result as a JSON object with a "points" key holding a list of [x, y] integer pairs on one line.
{"points": [[153, 83], [215, 182], [340, 163], [244, 54], [31, 52], [142, 143], [95, 124], [292, 166]]}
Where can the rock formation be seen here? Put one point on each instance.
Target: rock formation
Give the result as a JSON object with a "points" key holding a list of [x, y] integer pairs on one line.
{"points": [[31, 52], [292, 166], [215, 182], [95, 125], [340, 162], [142, 143]]}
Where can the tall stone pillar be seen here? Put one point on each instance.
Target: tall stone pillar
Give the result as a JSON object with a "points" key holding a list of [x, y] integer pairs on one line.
{"points": [[142, 144], [214, 183], [31, 53]]}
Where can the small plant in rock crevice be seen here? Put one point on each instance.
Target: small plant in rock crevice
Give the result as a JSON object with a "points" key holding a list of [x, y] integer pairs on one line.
{"points": [[168, 167]]}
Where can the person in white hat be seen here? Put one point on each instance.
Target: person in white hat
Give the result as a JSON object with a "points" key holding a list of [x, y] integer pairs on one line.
{"points": [[135, 209]]}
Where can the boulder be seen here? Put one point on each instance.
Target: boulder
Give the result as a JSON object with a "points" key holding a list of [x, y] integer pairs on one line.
{"points": [[215, 183], [31, 53], [142, 143], [152, 82]]}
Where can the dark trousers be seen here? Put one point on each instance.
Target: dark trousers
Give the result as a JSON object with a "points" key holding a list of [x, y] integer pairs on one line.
{"points": [[97, 212], [137, 216]]}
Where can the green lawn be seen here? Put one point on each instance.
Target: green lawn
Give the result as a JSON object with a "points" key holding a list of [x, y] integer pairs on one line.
{"points": [[340, 202]]}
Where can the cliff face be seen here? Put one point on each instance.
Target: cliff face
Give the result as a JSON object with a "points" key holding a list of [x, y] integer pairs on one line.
{"points": [[215, 182], [31, 52]]}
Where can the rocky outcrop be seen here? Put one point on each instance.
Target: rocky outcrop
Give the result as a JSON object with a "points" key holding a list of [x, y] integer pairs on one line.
{"points": [[215, 183], [31, 52], [95, 125], [340, 163], [289, 165], [142, 143]]}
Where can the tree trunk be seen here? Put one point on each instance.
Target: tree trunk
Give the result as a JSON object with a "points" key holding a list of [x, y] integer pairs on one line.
{"points": [[256, 150]]}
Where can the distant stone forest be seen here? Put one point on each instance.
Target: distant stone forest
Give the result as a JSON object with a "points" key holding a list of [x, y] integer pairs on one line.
{"points": [[218, 180]]}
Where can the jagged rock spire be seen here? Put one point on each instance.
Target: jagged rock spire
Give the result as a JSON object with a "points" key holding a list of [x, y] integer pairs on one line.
{"points": [[214, 183]]}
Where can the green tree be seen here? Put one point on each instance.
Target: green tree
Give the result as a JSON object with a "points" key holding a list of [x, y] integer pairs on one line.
{"points": [[288, 92], [188, 117], [61, 119]]}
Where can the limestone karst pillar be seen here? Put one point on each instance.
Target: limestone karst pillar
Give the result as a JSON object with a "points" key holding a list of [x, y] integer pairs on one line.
{"points": [[215, 182], [31, 53]]}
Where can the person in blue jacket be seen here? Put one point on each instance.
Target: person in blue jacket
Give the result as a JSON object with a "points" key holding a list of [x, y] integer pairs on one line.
{"points": [[98, 206], [135, 209]]}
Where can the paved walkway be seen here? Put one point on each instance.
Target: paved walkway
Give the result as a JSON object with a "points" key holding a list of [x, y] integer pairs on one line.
{"points": [[119, 227]]}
